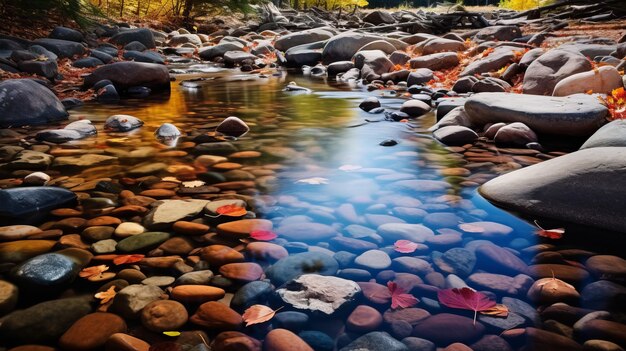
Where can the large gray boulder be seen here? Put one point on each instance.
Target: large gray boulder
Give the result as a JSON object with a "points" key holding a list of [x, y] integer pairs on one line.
{"points": [[131, 74], [379, 17], [611, 134], [342, 47], [62, 48], [579, 187], [436, 62], [288, 41], [376, 59], [142, 35], [501, 33], [545, 72], [219, 50], [575, 115], [26, 102], [500, 57]]}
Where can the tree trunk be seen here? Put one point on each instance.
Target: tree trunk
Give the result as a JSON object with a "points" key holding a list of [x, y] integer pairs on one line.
{"points": [[122, 9], [138, 8], [296, 5], [187, 10]]}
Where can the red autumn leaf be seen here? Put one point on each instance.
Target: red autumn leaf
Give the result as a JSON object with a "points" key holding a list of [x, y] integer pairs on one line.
{"points": [[123, 259], [405, 246], [465, 299], [399, 297], [549, 233], [263, 235], [231, 211], [256, 314]]}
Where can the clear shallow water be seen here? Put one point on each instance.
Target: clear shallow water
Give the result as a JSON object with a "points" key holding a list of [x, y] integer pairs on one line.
{"points": [[321, 138]]}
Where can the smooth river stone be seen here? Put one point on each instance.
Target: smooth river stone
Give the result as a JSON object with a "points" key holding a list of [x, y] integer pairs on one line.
{"points": [[375, 341], [218, 255], [18, 251], [373, 259], [575, 115], [364, 319], [243, 227], [306, 231], [196, 293], [562, 188], [32, 201], [264, 251], [47, 271], [607, 265], [318, 293], [245, 271], [495, 259], [215, 315], [445, 328], [92, 331], [164, 315], [293, 266], [17, 232], [285, 340], [170, 211], [141, 241], [403, 231]]}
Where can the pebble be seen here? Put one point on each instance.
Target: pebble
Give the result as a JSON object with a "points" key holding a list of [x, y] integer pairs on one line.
{"points": [[18, 232], [364, 319], [125, 342], [127, 229], [284, 340], [246, 271], [165, 315], [92, 331], [196, 293], [215, 315]]}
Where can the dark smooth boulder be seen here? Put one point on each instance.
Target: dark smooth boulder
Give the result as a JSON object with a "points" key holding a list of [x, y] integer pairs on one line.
{"points": [[62, 48], [16, 203], [130, 74], [64, 33], [142, 35], [26, 102]]}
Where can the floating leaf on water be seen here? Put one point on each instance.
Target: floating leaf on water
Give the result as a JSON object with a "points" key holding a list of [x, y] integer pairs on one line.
{"points": [[549, 233], [256, 314], [498, 310], [231, 211], [172, 333], [263, 235], [93, 271], [465, 299], [405, 246], [124, 259], [471, 228], [349, 168], [106, 296], [399, 297], [313, 181]]}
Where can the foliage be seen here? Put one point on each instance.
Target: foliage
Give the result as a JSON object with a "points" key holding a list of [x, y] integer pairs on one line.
{"points": [[258, 314], [521, 5], [465, 299], [328, 4], [616, 103], [399, 297], [81, 11]]}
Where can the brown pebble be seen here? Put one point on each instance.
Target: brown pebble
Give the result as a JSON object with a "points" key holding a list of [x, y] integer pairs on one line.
{"points": [[215, 315], [66, 212], [92, 331], [164, 315], [235, 341], [196, 293], [158, 193], [190, 228], [125, 342], [284, 340], [247, 271], [129, 210], [219, 255], [70, 225], [73, 240], [103, 221], [364, 319]]}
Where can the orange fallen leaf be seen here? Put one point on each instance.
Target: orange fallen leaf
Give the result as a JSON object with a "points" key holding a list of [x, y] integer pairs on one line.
{"points": [[498, 310], [549, 233], [256, 314], [93, 271], [106, 296], [231, 211], [123, 259]]}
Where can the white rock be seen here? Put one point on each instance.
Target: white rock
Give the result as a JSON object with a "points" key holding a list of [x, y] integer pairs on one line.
{"points": [[603, 80]]}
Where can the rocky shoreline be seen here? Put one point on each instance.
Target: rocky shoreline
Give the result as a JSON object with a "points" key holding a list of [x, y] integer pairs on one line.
{"points": [[102, 250]]}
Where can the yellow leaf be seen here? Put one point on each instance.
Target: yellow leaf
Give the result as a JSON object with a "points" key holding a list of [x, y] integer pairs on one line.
{"points": [[172, 333], [256, 314], [106, 296]]}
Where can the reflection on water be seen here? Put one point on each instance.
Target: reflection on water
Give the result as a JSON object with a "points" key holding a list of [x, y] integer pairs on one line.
{"points": [[321, 161]]}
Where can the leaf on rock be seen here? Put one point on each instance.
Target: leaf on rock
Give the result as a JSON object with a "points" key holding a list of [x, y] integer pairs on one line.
{"points": [[405, 246], [171, 333], [256, 314], [313, 181], [399, 297], [93, 271], [231, 211], [124, 259], [106, 296], [465, 299], [498, 310], [263, 235], [549, 233]]}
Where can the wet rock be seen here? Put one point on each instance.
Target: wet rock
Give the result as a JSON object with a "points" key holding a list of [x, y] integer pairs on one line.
{"points": [[50, 319], [8, 297], [373, 259], [436, 62], [500, 324], [125, 75], [543, 74], [20, 250], [607, 266], [556, 188], [235, 341], [414, 108], [577, 115], [375, 59], [87, 62], [306, 231], [491, 85], [122, 123], [165, 315], [364, 319], [135, 46], [548, 290], [500, 33], [65, 33], [491, 343], [62, 48], [233, 126], [215, 315], [125, 342], [436, 45], [17, 232], [255, 292], [263, 251], [286, 42], [142, 35], [417, 344], [167, 131], [515, 134], [376, 341], [601, 345], [500, 57], [605, 330], [92, 331], [455, 135], [141, 242], [284, 340], [445, 328], [243, 272], [25, 102], [219, 50], [129, 301], [419, 76], [369, 104], [546, 341], [604, 294], [48, 272], [243, 227], [313, 292], [611, 134], [402, 231], [343, 46], [48, 68], [602, 81]]}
